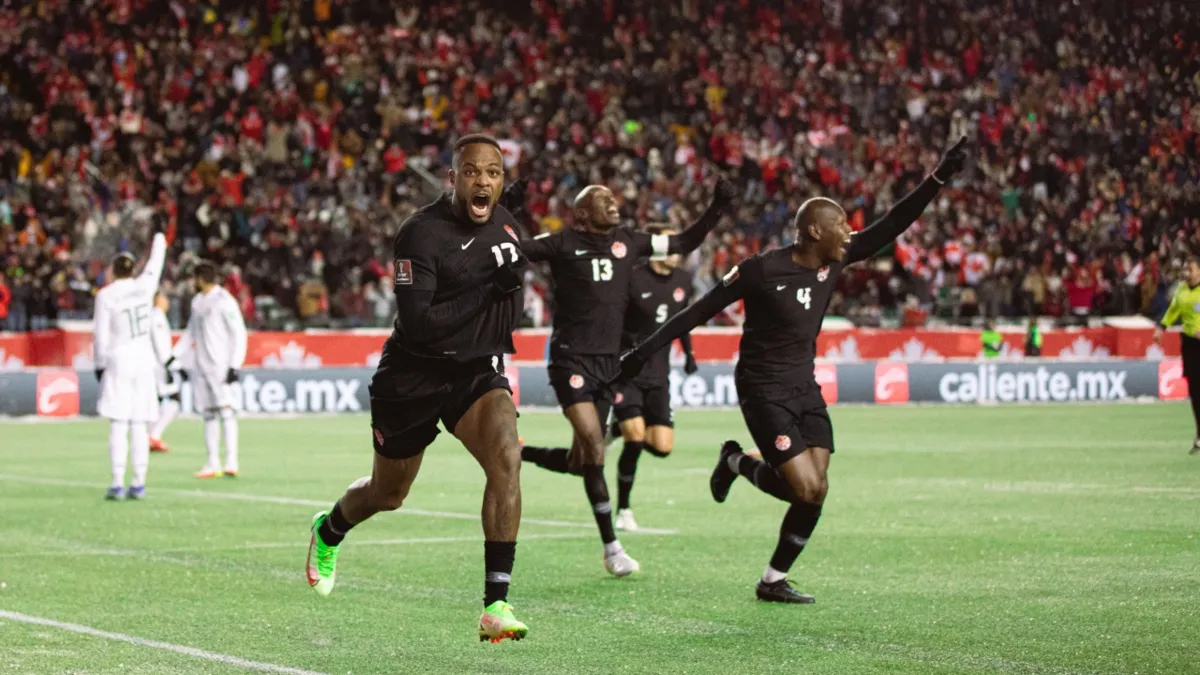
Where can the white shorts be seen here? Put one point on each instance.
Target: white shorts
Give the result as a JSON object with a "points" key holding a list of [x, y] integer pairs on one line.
{"points": [[210, 393], [128, 397]]}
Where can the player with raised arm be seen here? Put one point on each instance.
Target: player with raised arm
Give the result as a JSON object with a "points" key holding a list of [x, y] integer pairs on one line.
{"points": [[126, 364], [786, 292], [169, 380], [457, 283], [215, 341], [592, 265], [658, 290]]}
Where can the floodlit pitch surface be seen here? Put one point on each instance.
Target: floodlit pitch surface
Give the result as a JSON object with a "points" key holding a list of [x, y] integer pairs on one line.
{"points": [[1056, 539]]}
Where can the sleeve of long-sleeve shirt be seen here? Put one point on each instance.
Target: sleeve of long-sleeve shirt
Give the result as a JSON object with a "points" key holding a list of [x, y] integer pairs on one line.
{"points": [[731, 289], [1174, 310], [101, 325], [659, 246], [415, 284], [542, 247], [152, 272], [231, 314], [884, 231], [160, 336]]}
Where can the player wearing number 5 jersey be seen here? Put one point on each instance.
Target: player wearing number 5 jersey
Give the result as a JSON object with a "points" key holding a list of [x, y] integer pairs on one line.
{"points": [[786, 292], [216, 339], [457, 284], [592, 266], [126, 364]]}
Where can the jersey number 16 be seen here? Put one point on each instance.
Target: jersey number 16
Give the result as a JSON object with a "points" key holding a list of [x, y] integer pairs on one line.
{"points": [[137, 317]]}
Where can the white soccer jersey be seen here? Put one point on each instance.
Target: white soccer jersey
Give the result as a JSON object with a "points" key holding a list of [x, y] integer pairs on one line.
{"points": [[160, 335], [215, 335], [122, 322]]}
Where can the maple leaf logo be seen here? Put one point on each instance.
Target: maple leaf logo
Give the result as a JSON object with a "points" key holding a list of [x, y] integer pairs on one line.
{"points": [[913, 350], [292, 355], [1082, 348], [846, 350], [1155, 353], [8, 362], [83, 360], [373, 359]]}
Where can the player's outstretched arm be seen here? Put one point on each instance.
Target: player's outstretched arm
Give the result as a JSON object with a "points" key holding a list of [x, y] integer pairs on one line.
{"points": [[100, 337], [152, 272], [730, 290], [660, 246], [543, 247], [906, 211], [689, 356], [238, 338]]}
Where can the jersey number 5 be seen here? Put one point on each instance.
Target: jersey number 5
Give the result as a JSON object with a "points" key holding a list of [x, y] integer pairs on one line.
{"points": [[499, 249], [804, 297], [137, 317], [660, 315], [602, 269]]}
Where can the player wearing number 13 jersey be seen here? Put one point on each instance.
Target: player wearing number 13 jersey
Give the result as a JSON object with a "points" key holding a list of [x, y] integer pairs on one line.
{"points": [[457, 284], [592, 266], [786, 292]]}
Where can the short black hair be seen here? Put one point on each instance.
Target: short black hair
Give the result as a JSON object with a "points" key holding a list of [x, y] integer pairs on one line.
{"points": [[122, 265], [475, 139], [206, 272]]}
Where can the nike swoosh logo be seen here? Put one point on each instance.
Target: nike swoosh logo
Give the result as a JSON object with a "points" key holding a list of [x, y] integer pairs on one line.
{"points": [[645, 295], [464, 246], [578, 252], [780, 288]]}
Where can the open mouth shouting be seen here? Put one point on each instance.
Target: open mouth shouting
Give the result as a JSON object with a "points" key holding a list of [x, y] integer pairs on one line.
{"points": [[480, 205]]}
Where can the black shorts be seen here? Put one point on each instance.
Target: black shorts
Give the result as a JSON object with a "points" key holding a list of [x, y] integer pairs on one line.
{"points": [[583, 379], [650, 402], [412, 394], [785, 426]]}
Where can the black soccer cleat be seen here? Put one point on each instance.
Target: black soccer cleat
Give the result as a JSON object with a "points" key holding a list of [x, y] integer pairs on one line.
{"points": [[781, 591], [722, 476]]}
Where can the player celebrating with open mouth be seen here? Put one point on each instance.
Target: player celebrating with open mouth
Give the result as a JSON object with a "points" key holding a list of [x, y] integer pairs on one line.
{"points": [[786, 292]]}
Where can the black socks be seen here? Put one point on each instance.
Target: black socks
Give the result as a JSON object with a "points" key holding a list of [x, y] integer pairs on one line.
{"points": [[335, 526], [626, 468], [597, 494], [798, 525], [498, 557], [763, 477], [554, 459]]}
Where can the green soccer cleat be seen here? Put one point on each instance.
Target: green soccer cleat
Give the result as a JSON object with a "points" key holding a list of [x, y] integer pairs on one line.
{"points": [[498, 622], [322, 560]]}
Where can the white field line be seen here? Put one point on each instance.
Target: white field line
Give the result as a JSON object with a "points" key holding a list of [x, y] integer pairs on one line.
{"points": [[242, 496], [153, 644], [1046, 487]]}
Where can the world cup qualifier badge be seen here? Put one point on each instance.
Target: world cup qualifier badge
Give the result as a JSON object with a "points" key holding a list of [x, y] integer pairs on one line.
{"points": [[576, 382], [618, 249], [782, 443], [511, 233], [823, 273], [678, 295]]}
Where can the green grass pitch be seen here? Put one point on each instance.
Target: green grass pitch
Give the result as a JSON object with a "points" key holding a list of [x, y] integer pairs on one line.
{"points": [[1055, 540]]}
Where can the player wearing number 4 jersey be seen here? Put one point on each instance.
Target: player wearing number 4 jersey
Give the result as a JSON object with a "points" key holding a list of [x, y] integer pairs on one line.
{"points": [[592, 266], [458, 281], [126, 363], [786, 292]]}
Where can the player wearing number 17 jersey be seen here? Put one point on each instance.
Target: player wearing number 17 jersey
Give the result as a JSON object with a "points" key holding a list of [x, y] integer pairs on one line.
{"points": [[126, 364], [592, 266], [786, 292]]}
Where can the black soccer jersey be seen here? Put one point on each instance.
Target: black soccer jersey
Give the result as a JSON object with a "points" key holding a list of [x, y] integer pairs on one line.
{"points": [[447, 305], [654, 298], [785, 305]]}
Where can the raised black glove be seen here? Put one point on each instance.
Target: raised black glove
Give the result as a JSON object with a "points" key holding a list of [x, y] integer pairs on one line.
{"points": [[724, 193], [513, 197], [632, 363], [689, 364], [508, 278], [232, 376], [99, 374], [952, 162]]}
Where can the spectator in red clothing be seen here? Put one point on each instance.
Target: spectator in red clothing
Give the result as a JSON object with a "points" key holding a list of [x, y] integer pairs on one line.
{"points": [[1081, 289], [5, 300]]}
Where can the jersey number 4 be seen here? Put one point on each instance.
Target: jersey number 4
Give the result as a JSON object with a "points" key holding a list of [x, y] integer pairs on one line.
{"points": [[602, 269], [804, 297], [137, 318], [499, 249]]}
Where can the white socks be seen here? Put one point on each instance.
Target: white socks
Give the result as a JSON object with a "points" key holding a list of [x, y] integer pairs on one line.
{"points": [[118, 451], [166, 413], [230, 424], [212, 441], [772, 575], [140, 452], [612, 549]]}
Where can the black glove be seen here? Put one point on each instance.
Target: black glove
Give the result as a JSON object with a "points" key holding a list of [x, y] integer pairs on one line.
{"points": [[99, 374], [170, 376], [183, 375], [952, 162], [513, 197], [689, 364], [508, 278], [724, 193], [232, 376], [632, 363]]}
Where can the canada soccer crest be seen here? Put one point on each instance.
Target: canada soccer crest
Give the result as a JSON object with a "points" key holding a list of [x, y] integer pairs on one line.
{"points": [[619, 398], [782, 443], [678, 295], [378, 436], [576, 382], [618, 249], [823, 273], [512, 234]]}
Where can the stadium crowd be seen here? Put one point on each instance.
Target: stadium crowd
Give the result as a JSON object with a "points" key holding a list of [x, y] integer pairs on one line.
{"points": [[286, 139]]}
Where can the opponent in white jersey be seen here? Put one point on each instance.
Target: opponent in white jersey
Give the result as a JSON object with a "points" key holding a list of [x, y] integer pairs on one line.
{"points": [[126, 363], [216, 341], [169, 378]]}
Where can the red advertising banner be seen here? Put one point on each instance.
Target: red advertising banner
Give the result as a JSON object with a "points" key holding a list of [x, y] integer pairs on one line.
{"points": [[314, 349]]}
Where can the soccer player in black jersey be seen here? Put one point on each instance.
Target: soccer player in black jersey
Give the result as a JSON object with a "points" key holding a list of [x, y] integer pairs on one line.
{"points": [[458, 281], [658, 290], [592, 265], [786, 292]]}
